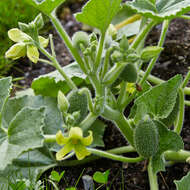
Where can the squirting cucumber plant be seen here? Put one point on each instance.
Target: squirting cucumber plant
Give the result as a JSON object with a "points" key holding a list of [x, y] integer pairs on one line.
{"points": [[61, 118]]}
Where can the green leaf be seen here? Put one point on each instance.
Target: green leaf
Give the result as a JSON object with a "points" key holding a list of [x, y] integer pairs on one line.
{"points": [[29, 165], [50, 84], [53, 119], [160, 100], [184, 183], [162, 10], [168, 140], [101, 177], [46, 6], [5, 86], [97, 128], [24, 133], [55, 176], [98, 13]]}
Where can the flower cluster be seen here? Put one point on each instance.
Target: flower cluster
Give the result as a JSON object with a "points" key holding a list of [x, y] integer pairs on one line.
{"points": [[24, 46]]}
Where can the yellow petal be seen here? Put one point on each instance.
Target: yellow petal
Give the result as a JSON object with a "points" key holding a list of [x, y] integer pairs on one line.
{"points": [[130, 87], [81, 151], [65, 150], [16, 51], [17, 35], [32, 53], [75, 133], [87, 140], [60, 139], [43, 41]]}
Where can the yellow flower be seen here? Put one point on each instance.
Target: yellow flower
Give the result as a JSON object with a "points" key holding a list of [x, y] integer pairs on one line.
{"points": [[22, 48], [130, 87], [75, 141]]}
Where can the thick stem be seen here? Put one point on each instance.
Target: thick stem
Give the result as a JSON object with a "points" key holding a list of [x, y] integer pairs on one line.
{"points": [[67, 41], [55, 63], [122, 123], [100, 50], [186, 80], [180, 156], [152, 177], [160, 44], [179, 125], [114, 157]]}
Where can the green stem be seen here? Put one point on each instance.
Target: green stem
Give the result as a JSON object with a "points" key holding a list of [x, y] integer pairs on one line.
{"points": [[152, 177], [160, 44], [67, 41], [142, 34], [49, 138], [88, 121], [186, 80], [156, 80], [100, 50], [55, 63], [114, 157], [122, 96], [180, 156], [187, 103], [184, 17], [179, 125]]}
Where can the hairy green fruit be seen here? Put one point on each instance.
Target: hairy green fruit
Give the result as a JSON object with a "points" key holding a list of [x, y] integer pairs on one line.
{"points": [[80, 38], [129, 74], [78, 102], [146, 138]]}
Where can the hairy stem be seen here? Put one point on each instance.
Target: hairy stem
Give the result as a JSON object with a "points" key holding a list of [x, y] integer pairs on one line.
{"points": [[152, 177], [180, 156], [160, 44], [180, 119], [114, 157], [55, 63], [142, 34], [67, 41]]}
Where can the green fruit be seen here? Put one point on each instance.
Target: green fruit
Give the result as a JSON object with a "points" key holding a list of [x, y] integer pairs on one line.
{"points": [[146, 138], [129, 74], [80, 38], [78, 102]]}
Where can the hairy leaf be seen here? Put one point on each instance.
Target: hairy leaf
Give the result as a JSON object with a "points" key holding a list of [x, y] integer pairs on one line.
{"points": [[184, 183], [50, 84], [46, 6], [160, 100], [162, 10], [5, 86], [168, 140], [98, 13], [24, 133], [53, 120]]}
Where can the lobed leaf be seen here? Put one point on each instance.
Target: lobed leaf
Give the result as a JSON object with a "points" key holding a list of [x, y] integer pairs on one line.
{"points": [[46, 6], [53, 120], [162, 10], [98, 13], [24, 133]]}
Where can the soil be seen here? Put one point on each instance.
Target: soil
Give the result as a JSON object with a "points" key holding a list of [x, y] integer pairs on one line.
{"points": [[174, 59]]}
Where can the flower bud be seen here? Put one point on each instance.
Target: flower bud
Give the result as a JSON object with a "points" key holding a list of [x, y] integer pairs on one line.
{"points": [[63, 103], [150, 52]]}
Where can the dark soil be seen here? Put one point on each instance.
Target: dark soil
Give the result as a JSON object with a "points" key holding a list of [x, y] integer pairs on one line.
{"points": [[174, 59]]}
